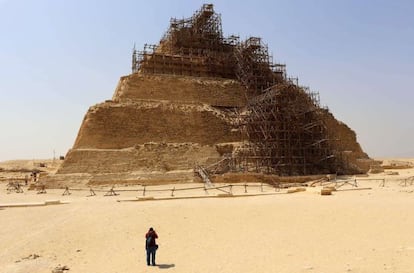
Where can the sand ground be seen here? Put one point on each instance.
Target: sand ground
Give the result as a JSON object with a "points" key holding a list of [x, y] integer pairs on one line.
{"points": [[349, 231]]}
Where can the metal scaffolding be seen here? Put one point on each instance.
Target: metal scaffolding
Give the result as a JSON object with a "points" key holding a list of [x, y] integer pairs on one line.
{"points": [[195, 46], [255, 68], [285, 133], [283, 123]]}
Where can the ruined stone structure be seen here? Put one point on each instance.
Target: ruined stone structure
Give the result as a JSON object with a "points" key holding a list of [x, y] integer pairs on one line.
{"points": [[201, 99]]}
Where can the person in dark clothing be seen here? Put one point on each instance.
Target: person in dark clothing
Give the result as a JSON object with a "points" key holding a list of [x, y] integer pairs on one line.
{"points": [[150, 246]]}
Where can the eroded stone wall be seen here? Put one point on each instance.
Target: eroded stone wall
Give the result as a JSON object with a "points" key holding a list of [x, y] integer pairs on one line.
{"points": [[121, 125], [215, 92], [156, 128], [149, 157]]}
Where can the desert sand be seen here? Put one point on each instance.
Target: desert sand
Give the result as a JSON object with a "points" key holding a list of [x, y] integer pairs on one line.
{"points": [[365, 230]]}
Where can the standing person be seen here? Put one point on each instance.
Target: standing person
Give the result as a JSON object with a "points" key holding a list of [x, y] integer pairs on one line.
{"points": [[150, 245]]}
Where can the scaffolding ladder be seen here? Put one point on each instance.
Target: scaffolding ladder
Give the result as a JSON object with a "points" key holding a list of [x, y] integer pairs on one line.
{"points": [[204, 175]]}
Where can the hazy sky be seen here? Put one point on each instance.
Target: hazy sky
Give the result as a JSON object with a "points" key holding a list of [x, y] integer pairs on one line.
{"points": [[59, 57]]}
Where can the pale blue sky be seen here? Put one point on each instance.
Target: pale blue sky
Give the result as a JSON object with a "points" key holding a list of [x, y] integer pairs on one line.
{"points": [[59, 57]]}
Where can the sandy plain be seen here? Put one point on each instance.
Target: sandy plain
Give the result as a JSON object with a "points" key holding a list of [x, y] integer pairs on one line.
{"points": [[365, 230]]}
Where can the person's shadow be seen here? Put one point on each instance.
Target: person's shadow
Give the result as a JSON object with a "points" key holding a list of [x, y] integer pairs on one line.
{"points": [[165, 266]]}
